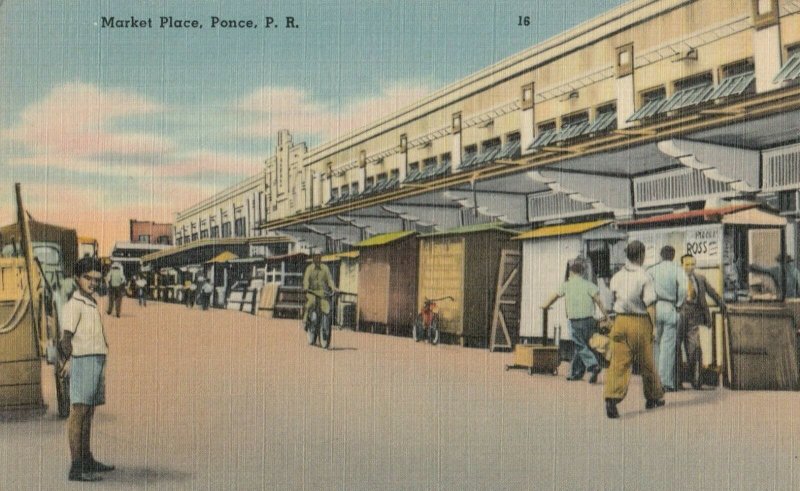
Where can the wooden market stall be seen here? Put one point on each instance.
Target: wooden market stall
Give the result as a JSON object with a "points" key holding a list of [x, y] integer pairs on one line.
{"points": [[741, 250], [463, 263], [387, 282], [545, 255]]}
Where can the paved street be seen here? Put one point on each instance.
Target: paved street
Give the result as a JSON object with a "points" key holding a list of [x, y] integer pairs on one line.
{"points": [[223, 400]]}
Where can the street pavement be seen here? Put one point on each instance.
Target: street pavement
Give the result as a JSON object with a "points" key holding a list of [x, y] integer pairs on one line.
{"points": [[224, 400]]}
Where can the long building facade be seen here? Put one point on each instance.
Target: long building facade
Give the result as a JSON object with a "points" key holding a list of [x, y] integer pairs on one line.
{"points": [[654, 106]]}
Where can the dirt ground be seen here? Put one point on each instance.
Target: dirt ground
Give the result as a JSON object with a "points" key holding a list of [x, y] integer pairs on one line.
{"points": [[224, 400]]}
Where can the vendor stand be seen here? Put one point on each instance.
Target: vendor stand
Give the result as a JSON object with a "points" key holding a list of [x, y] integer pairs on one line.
{"points": [[738, 248], [387, 282], [463, 263], [546, 252]]}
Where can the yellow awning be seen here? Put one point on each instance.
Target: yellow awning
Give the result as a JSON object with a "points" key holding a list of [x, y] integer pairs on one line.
{"points": [[341, 255], [222, 257], [384, 239], [562, 230]]}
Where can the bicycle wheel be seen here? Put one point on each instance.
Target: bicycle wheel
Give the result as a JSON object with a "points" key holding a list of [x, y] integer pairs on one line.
{"points": [[325, 331], [433, 331], [417, 330], [312, 326]]}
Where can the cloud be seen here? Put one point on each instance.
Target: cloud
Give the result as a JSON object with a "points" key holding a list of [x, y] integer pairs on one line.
{"points": [[73, 120], [290, 108]]}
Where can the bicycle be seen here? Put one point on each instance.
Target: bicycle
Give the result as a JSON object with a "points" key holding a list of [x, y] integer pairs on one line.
{"points": [[426, 325], [318, 323]]}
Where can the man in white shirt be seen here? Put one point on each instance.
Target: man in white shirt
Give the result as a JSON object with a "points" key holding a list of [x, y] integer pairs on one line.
{"points": [[84, 344], [632, 333]]}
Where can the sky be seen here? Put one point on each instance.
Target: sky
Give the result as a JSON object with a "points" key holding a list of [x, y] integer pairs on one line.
{"points": [[102, 125]]}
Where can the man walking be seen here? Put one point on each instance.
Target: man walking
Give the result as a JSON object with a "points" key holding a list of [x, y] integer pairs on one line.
{"points": [[669, 281], [632, 333], [116, 288], [84, 344], [695, 313], [141, 290], [580, 296]]}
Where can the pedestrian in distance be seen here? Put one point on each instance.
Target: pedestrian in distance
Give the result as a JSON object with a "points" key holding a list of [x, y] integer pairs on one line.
{"points": [[116, 288], [141, 290], [669, 281], [632, 333], [84, 345], [695, 313], [580, 296], [189, 291], [206, 289]]}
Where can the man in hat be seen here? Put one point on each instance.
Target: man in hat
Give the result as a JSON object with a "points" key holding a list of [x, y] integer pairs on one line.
{"points": [[84, 344], [670, 284], [632, 333], [791, 271], [317, 278], [695, 313]]}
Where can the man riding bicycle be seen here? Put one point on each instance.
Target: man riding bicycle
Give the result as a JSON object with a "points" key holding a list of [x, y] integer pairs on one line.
{"points": [[317, 279]]}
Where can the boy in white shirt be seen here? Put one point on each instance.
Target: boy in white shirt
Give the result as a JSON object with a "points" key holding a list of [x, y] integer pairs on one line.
{"points": [[84, 344]]}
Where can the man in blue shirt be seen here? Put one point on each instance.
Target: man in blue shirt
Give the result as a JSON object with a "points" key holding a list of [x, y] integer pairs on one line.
{"points": [[581, 296], [670, 284]]}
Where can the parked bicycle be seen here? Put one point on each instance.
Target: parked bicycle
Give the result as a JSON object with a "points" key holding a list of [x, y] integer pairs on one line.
{"points": [[318, 323], [426, 325]]}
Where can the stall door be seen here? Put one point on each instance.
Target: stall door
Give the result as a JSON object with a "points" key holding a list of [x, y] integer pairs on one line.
{"points": [[373, 292], [544, 264], [441, 274]]}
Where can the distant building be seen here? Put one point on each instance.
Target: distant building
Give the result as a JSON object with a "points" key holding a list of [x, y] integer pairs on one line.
{"points": [[151, 232], [129, 254]]}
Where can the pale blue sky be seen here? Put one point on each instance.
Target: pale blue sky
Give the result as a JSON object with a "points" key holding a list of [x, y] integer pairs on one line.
{"points": [[144, 122]]}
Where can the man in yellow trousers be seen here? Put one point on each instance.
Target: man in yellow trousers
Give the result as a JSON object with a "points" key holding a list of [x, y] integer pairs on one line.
{"points": [[632, 333]]}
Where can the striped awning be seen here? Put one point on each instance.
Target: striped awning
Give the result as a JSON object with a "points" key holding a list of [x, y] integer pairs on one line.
{"points": [[790, 70]]}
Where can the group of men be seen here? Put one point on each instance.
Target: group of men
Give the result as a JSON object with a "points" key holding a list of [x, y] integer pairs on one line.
{"points": [[681, 308], [655, 312]]}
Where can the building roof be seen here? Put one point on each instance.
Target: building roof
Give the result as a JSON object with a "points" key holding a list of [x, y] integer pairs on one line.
{"points": [[562, 230], [472, 229], [141, 246], [706, 215], [384, 239], [173, 250]]}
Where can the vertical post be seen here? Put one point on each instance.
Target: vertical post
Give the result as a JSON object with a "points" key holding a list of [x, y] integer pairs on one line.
{"points": [[27, 249], [455, 162], [544, 326], [626, 98], [766, 43], [526, 117]]}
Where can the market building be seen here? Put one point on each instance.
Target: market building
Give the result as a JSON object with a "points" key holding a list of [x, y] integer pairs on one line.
{"points": [[652, 107], [656, 108]]}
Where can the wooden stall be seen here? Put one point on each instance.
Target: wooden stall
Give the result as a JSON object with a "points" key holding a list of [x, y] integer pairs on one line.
{"points": [[463, 263], [738, 249], [387, 282], [545, 254]]}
